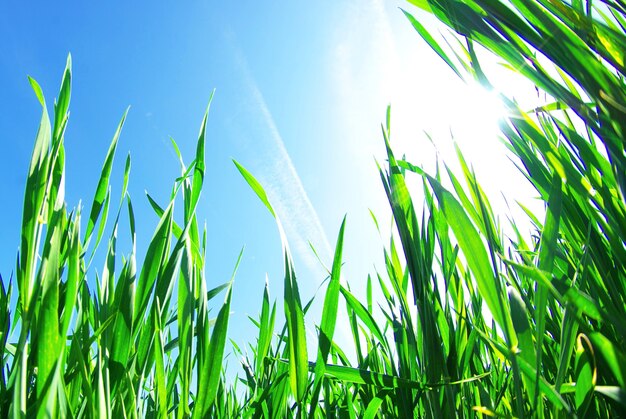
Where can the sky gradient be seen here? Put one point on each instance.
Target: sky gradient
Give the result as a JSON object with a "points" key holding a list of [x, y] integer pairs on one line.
{"points": [[301, 92]]}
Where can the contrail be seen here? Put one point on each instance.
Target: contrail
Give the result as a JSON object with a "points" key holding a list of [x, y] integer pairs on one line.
{"points": [[284, 187]]}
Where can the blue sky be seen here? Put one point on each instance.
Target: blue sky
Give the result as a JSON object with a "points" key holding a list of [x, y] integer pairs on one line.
{"points": [[301, 91]]}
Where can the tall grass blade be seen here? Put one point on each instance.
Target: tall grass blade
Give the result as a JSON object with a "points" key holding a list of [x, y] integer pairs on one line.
{"points": [[329, 320], [298, 359]]}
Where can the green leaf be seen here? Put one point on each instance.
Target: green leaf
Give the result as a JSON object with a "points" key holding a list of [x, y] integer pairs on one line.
{"points": [[426, 36], [63, 102], [33, 209], [47, 336], [329, 319], [585, 373], [365, 316], [159, 372], [372, 408], [154, 261], [522, 328], [612, 355], [474, 251], [266, 330], [207, 388], [256, 187], [103, 183], [298, 371], [199, 167]]}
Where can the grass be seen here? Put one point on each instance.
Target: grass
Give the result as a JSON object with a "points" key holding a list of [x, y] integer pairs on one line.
{"points": [[473, 323]]}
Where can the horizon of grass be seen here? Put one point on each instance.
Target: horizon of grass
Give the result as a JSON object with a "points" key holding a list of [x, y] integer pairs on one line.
{"points": [[473, 323]]}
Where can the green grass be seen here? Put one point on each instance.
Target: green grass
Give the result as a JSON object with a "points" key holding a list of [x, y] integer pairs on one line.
{"points": [[472, 323]]}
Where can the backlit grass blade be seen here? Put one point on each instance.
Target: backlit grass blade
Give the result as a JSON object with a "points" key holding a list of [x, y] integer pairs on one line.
{"points": [[256, 187], [199, 166], [159, 373], [152, 263], [74, 275], [521, 326], [207, 388], [160, 211], [329, 319], [63, 102], [47, 338], [362, 313], [586, 374], [103, 185], [34, 195], [372, 408], [613, 357], [187, 321], [474, 250], [364, 377], [121, 345], [266, 330], [547, 253], [358, 376], [431, 41], [298, 370], [298, 374]]}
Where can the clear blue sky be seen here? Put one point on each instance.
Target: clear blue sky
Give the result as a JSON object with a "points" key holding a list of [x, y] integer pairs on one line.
{"points": [[301, 90]]}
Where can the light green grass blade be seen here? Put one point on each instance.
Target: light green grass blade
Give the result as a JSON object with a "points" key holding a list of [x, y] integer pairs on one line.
{"points": [[153, 260], [127, 166], [476, 255], [47, 334], [74, 275], [426, 36], [159, 372], [186, 322], [256, 187], [612, 355], [266, 330], [207, 388], [585, 370], [372, 408], [521, 325], [199, 166], [63, 101], [547, 253], [329, 320], [298, 365], [32, 215], [365, 316], [122, 345], [103, 185]]}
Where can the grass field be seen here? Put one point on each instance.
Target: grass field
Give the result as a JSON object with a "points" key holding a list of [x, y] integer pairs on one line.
{"points": [[473, 322]]}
